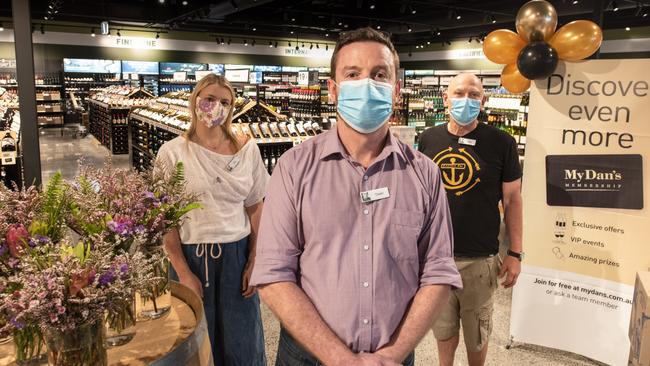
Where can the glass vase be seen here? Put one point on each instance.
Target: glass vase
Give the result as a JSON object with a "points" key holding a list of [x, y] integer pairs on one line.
{"points": [[120, 324], [28, 345], [157, 301], [82, 347]]}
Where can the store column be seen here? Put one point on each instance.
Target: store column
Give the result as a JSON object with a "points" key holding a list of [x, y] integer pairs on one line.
{"points": [[26, 91]]}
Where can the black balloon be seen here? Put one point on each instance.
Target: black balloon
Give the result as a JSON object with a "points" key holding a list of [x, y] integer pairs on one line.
{"points": [[537, 60]]}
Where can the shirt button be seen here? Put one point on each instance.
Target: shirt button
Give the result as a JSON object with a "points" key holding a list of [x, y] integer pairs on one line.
{"points": [[365, 212], [366, 321], [366, 284], [366, 247], [365, 177]]}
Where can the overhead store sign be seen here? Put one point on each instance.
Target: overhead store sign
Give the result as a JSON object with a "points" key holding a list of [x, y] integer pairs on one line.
{"points": [[133, 42], [318, 57]]}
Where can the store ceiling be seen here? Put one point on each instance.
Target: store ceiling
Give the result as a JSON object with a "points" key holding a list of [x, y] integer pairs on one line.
{"points": [[411, 22]]}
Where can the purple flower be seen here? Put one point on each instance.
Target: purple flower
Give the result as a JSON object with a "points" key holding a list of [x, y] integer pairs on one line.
{"points": [[164, 199], [149, 195], [107, 278], [16, 323], [140, 229], [3, 249], [121, 226], [124, 267]]}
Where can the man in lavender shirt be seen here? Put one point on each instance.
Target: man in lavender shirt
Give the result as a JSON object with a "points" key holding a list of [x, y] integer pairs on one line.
{"points": [[355, 250]]}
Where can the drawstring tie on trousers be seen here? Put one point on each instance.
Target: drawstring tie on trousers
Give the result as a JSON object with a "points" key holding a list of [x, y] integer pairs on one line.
{"points": [[201, 251]]}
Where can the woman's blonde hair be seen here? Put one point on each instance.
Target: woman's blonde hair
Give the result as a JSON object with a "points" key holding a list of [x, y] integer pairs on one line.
{"points": [[225, 126]]}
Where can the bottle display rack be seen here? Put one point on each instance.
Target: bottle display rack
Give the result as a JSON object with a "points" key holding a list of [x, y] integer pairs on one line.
{"points": [[109, 111], [168, 117]]}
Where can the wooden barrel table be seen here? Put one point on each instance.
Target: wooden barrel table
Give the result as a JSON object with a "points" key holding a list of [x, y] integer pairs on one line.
{"points": [[179, 338]]}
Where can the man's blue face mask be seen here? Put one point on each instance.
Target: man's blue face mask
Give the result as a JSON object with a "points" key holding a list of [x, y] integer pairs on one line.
{"points": [[464, 110], [365, 104]]}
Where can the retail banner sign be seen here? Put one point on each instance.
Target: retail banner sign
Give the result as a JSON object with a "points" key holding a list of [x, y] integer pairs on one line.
{"points": [[586, 209]]}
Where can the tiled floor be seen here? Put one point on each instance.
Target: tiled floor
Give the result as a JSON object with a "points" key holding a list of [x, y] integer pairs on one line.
{"points": [[62, 153]]}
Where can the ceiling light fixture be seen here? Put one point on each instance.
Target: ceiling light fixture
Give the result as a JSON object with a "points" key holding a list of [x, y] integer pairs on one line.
{"points": [[575, 2], [327, 34], [157, 35], [412, 9], [184, 3], [410, 29], [229, 40], [289, 43], [92, 32], [245, 43], [311, 47], [428, 42], [614, 5], [118, 33], [627, 29], [42, 29], [276, 44], [270, 44], [327, 47], [291, 32], [2, 27], [161, 1], [297, 48], [378, 26], [254, 29], [372, 7]]}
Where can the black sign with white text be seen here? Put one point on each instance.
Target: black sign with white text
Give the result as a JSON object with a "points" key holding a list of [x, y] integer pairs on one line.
{"points": [[608, 181]]}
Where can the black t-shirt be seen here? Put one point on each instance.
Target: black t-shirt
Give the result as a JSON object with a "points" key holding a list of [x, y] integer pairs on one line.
{"points": [[473, 177]]}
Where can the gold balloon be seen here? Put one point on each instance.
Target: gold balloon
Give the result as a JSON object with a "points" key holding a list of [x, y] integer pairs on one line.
{"points": [[577, 40], [536, 21], [512, 79], [502, 46]]}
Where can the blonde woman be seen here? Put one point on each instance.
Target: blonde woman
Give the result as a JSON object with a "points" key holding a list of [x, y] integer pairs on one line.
{"points": [[213, 252]]}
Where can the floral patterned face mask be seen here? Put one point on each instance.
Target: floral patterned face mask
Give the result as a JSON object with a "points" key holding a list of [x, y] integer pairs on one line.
{"points": [[212, 113]]}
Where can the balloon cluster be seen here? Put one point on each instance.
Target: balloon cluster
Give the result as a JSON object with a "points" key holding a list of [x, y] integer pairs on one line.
{"points": [[534, 51]]}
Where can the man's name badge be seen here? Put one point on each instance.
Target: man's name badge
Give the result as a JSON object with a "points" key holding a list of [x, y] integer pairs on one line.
{"points": [[374, 195], [464, 141]]}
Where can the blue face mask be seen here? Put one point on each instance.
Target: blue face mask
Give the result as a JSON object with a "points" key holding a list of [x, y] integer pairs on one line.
{"points": [[365, 104], [465, 110]]}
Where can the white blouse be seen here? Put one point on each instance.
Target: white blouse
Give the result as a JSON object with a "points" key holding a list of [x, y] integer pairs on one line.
{"points": [[225, 186]]}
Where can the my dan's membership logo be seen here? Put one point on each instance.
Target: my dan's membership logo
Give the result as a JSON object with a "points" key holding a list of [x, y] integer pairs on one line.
{"points": [[459, 170], [609, 181]]}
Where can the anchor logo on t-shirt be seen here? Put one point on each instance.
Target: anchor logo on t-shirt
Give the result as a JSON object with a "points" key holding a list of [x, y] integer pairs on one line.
{"points": [[458, 170]]}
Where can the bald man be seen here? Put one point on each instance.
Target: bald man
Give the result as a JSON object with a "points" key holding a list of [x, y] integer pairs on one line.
{"points": [[480, 168]]}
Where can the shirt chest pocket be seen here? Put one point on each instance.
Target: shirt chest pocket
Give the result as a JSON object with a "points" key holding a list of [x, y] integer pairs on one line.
{"points": [[404, 230]]}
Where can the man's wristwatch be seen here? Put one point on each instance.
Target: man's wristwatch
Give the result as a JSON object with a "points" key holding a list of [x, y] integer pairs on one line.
{"points": [[519, 256]]}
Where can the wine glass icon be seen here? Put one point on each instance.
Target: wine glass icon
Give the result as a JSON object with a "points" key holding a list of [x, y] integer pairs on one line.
{"points": [[560, 227]]}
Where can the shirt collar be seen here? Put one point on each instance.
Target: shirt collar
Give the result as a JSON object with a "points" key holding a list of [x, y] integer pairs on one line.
{"points": [[332, 146]]}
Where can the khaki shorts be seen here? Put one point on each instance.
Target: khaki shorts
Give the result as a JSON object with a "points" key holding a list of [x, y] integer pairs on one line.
{"points": [[472, 305]]}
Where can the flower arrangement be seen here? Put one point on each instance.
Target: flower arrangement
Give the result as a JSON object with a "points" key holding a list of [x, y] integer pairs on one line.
{"points": [[53, 282], [132, 210]]}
